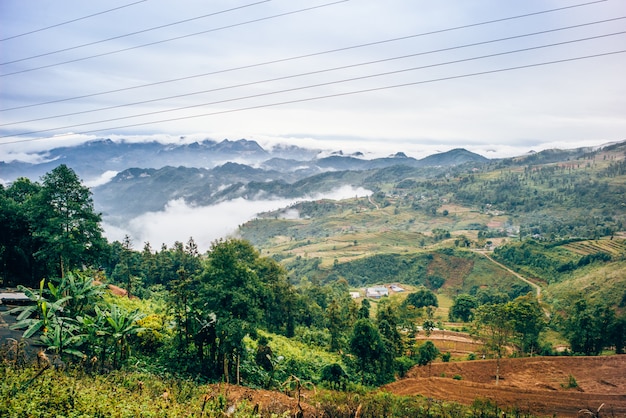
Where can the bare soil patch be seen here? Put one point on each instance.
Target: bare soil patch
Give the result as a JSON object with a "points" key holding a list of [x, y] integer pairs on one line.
{"points": [[456, 343], [265, 402], [539, 385]]}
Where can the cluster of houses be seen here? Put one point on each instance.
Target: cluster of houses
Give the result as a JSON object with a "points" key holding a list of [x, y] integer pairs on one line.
{"points": [[377, 292]]}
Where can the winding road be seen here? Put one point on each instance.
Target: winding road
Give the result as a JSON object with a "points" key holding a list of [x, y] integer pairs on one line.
{"points": [[519, 276]]}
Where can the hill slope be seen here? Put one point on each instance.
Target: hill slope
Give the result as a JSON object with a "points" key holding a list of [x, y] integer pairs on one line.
{"points": [[538, 385]]}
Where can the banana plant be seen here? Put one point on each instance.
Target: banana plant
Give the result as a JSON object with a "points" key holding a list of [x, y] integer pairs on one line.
{"points": [[64, 337], [81, 289], [37, 316], [120, 325]]}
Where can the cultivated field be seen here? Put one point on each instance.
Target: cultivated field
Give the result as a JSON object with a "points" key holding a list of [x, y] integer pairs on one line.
{"points": [[614, 247], [561, 386]]}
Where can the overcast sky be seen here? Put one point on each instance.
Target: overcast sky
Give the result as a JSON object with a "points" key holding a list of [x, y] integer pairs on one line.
{"points": [[314, 72]]}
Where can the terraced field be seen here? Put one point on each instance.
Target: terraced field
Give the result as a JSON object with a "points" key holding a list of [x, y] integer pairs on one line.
{"points": [[614, 247]]}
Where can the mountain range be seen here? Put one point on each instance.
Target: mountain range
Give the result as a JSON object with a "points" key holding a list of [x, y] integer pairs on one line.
{"points": [[144, 177], [93, 158]]}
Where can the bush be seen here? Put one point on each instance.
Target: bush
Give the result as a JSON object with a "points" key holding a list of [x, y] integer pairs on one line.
{"points": [[403, 364], [334, 375], [571, 383]]}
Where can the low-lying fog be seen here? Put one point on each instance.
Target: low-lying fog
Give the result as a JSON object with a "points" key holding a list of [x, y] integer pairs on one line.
{"points": [[180, 221]]}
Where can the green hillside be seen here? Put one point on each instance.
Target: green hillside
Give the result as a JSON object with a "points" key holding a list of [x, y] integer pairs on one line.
{"points": [[554, 217]]}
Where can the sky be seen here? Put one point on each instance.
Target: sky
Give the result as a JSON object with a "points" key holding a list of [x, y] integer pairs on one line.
{"points": [[374, 76]]}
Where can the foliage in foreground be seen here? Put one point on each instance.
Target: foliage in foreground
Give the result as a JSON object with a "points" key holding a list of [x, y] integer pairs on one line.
{"points": [[30, 392], [56, 393]]}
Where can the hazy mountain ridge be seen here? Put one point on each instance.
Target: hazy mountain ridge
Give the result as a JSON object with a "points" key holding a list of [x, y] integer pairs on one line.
{"points": [[144, 190], [209, 172], [93, 158]]}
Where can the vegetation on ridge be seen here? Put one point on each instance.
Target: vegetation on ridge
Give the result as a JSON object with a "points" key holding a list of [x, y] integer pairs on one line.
{"points": [[275, 306]]}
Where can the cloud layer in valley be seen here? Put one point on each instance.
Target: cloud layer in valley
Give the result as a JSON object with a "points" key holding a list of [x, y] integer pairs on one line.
{"points": [[180, 221]]}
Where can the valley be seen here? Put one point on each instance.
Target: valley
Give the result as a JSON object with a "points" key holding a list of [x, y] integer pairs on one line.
{"points": [[516, 261]]}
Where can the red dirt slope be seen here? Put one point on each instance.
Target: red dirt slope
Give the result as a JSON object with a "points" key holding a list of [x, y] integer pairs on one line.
{"points": [[537, 385]]}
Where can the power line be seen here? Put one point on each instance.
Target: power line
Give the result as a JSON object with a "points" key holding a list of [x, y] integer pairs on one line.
{"points": [[134, 33], [71, 21], [176, 38], [327, 70], [326, 84], [221, 112], [305, 55]]}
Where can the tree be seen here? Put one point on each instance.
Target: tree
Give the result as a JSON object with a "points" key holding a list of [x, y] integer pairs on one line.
{"points": [[125, 263], [336, 324], [617, 333], [121, 324], [587, 327], [239, 288], [278, 300], [427, 354], [57, 316], [528, 321], [364, 310], [367, 346], [388, 320], [66, 222], [17, 244], [463, 307], [421, 297], [492, 325]]}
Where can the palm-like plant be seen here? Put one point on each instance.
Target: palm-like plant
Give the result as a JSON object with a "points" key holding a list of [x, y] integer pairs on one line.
{"points": [[64, 337], [38, 316], [57, 306], [81, 290], [120, 325]]}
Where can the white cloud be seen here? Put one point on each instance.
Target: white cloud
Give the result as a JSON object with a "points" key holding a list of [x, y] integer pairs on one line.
{"points": [[103, 179], [180, 221]]}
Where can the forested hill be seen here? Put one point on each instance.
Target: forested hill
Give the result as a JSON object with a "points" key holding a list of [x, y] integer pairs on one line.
{"points": [[526, 255], [554, 216]]}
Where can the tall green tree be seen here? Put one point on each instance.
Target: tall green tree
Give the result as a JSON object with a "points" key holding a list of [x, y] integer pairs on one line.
{"points": [[236, 287], [367, 346], [427, 354], [528, 321], [17, 243], [421, 297], [364, 310], [66, 222], [388, 320], [463, 308], [587, 326], [493, 325]]}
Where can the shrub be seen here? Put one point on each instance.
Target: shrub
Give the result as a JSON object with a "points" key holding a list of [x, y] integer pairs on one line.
{"points": [[403, 364], [571, 383]]}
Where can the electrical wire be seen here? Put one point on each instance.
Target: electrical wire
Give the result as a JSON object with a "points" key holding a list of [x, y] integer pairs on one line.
{"points": [[134, 33], [71, 21], [176, 38], [331, 83], [221, 112], [323, 71], [304, 56]]}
